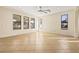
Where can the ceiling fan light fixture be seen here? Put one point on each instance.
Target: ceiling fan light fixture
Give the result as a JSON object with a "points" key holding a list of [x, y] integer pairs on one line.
{"points": [[43, 11]]}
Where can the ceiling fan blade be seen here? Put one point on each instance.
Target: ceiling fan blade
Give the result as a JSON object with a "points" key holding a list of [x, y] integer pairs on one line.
{"points": [[42, 11], [45, 12], [48, 10], [40, 7]]}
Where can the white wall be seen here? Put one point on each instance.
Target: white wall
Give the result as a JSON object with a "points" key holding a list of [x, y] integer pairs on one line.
{"points": [[6, 25], [52, 23]]}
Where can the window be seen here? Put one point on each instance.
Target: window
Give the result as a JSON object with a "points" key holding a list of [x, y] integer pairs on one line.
{"points": [[64, 22], [26, 22], [16, 22], [32, 23]]}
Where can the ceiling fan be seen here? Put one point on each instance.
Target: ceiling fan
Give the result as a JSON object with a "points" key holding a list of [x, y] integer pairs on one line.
{"points": [[44, 11]]}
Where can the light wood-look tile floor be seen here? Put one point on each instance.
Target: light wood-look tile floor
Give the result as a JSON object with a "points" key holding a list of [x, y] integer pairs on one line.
{"points": [[39, 42]]}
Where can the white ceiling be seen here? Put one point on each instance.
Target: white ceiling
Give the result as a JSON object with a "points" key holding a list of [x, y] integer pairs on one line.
{"points": [[33, 9]]}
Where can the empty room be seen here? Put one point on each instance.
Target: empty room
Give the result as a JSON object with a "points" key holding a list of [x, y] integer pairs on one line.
{"points": [[39, 29]]}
